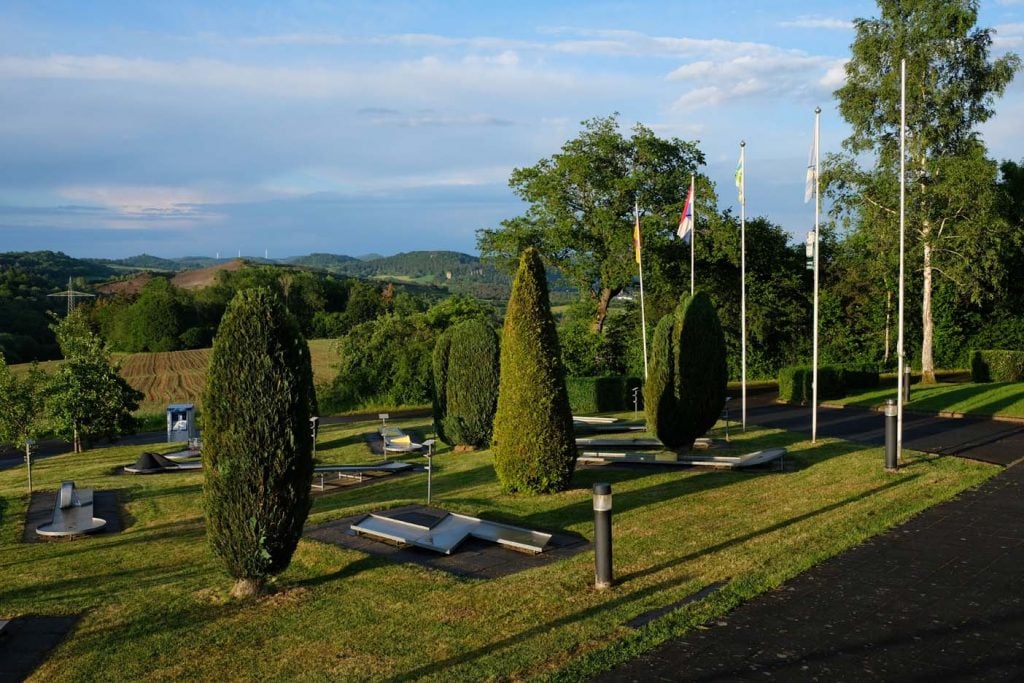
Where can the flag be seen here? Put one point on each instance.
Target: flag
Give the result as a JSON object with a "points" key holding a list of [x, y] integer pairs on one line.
{"points": [[811, 174], [686, 218], [739, 177], [636, 237]]}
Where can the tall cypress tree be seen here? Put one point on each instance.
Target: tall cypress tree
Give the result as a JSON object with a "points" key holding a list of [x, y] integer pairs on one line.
{"points": [[685, 390], [257, 446], [534, 444], [466, 383]]}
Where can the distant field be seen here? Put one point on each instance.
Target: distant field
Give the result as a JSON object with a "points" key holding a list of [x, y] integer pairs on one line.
{"points": [[178, 376]]}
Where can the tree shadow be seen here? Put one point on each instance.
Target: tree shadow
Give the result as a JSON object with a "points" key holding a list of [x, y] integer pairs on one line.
{"points": [[671, 582]]}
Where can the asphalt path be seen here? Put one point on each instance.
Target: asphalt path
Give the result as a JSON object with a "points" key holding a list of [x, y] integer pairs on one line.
{"points": [[939, 598], [976, 438]]}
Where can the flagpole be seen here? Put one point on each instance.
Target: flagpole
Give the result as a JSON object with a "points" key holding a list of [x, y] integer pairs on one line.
{"points": [[640, 262], [743, 281], [817, 249], [693, 230], [903, 177]]}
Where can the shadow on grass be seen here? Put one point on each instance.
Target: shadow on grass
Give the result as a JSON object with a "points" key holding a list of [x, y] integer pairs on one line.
{"points": [[637, 596], [3, 508], [580, 511], [351, 569]]}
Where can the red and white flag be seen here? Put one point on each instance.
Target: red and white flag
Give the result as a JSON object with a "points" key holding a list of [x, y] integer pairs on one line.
{"points": [[686, 218]]}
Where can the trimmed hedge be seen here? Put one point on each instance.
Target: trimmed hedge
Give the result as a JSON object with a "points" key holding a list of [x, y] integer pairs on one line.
{"points": [[534, 443], [602, 394], [685, 389], [468, 364], [834, 381], [996, 365], [257, 446]]}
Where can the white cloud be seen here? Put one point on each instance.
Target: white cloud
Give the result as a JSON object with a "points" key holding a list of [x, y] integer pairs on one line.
{"points": [[776, 74], [830, 24], [1008, 36], [429, 77]]}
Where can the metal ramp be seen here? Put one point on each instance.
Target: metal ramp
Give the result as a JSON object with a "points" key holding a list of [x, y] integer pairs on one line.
{"points": [[356, 471], [72, 514], [700, 460], [444, 534]]}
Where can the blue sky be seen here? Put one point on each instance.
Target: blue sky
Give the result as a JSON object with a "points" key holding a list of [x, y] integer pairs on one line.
{"points": [[185, 128]]}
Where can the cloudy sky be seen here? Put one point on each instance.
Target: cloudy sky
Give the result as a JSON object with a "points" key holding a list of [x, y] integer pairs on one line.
{"points": [[197, 128]]}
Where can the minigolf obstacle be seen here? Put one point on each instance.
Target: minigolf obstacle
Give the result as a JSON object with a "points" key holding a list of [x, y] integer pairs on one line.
{"points": [[444, 533], [72, 514]]}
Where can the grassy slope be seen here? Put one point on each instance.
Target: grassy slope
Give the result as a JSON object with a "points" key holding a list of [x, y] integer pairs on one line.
{"points": [[178, 376], [1004, 399], [154, 605]]}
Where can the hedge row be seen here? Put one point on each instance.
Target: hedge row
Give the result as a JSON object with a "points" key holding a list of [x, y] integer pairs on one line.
{"points": [[991, 365], [602, 394], [834, 381]]}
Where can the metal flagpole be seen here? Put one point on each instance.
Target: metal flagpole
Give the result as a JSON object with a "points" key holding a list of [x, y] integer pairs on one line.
{"points": [[693, 229], [817, 241], [640, 262], [743, 281], [903, 177]]}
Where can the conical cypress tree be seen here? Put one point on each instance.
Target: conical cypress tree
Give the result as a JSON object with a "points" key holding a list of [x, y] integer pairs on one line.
{"points": [[442, 349], [257, 446], [534, 445], [685, 389], [466, 357]]}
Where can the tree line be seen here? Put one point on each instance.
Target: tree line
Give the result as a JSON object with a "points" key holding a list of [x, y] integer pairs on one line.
{"points": [[964, 217]]}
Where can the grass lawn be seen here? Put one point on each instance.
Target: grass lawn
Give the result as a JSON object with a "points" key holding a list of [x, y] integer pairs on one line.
{"points": [[1002, 399], [154, 601]]}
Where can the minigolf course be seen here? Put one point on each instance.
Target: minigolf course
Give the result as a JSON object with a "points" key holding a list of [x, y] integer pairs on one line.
{"points": [[444, 533], [72, 514]]}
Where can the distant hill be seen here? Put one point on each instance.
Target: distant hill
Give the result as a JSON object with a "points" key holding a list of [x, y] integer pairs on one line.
{"points": [[148, 262], [329, 262], [55, 266]]}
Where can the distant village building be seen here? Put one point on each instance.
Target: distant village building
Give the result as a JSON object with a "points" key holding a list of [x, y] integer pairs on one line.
{"points": [[447, 275]]}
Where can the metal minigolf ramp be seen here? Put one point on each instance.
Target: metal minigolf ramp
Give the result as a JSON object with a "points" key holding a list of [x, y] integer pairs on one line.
{"points": [[443, 534]]}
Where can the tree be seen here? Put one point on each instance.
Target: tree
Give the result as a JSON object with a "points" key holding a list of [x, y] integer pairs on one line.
{"points": [[87, 398], [257, 447], [22, 419], [466, 361], [534, 444], [952, 88], [685, 390], [582, 205]]}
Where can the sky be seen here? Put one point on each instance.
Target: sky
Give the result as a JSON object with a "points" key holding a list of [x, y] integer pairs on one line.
{"points": [[355, 127]]}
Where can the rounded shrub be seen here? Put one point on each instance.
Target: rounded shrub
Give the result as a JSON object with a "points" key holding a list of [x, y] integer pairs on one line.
{"points": [[466, 383], [534, 445], [257, 447], [685, 389]]}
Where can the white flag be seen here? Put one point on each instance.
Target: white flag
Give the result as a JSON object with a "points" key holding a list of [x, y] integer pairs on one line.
{"points": [[811, 174]]}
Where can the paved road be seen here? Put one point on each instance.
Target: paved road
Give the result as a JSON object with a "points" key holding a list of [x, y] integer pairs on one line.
{"points": [[970, 437], [939, 598]]}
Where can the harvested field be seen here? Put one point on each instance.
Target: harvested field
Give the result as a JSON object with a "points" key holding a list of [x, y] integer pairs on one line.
{"points": [[179, 376]]}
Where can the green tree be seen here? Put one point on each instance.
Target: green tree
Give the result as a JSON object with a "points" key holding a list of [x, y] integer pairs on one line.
{"points": [[87, 398], [582, 199], [466, 383], [22, 419], [534, 444], [685, 390], [257, 447], [952, 88]]}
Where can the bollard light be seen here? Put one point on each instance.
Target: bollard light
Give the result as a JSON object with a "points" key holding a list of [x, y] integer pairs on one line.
{"points": [[602, 536], [891, 412]]}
